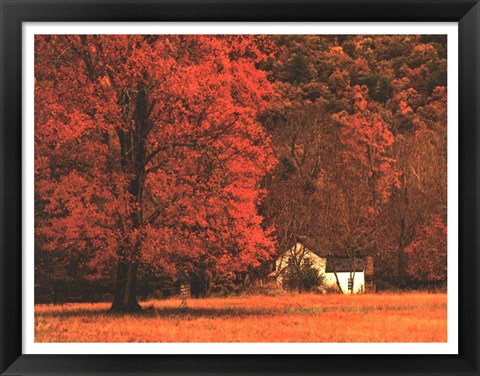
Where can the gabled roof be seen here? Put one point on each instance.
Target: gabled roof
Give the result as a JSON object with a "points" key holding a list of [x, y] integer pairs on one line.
{"points": [[344, 264], [340, 264], [309, 244], [306, 248]]}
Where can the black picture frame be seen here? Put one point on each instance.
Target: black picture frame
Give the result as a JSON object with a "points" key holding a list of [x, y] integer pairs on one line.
{"points": [[14, 12]]}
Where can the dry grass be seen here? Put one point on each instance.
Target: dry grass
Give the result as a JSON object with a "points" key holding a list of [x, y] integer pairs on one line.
{"points": [[413, 317]]}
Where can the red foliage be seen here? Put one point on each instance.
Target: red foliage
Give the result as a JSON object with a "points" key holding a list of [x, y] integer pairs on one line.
{"points": [[147, 149], [427, 254], [366, 138]]}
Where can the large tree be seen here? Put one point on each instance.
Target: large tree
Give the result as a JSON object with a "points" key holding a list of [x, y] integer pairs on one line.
{"points": [[147, 151]]}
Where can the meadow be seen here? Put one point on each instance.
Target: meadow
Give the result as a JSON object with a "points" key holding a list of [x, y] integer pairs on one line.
{"points": [[405, 317]]}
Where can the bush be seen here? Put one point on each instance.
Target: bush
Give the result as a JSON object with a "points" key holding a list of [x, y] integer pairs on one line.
{"points": [[304, 278]]}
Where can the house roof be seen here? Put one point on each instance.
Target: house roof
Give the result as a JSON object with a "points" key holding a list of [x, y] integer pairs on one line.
{"points": [[344, 264], [333, 263], [309, 244], [308, 250]]}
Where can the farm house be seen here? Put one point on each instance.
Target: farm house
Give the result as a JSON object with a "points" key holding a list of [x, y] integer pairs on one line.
{"points": [[352, 275]]}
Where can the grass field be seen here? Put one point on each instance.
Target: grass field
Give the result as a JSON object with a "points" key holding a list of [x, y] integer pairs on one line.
{"points": [[413, 317]]}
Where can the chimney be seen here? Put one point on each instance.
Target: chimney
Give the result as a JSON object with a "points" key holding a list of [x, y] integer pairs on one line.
{"points": [[369, 280], [369, 266]]}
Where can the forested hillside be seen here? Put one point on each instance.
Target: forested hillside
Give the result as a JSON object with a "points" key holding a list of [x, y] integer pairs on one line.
{"points": [[360, 131]]}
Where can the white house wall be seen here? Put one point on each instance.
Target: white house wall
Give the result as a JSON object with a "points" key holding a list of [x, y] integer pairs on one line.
{"points": [[319, 263], [282, 262], [358, 281]]}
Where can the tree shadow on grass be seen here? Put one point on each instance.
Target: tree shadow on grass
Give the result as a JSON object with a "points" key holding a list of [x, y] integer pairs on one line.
{"points": [[188, 312], [152, 311], [193, 312]]}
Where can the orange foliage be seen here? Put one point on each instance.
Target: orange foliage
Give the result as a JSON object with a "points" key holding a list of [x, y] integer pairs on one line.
{"points": [[427, 254], [148, 150]]}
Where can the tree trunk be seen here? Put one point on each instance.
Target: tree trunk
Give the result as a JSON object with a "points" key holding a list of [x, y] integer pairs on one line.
{"points": [[300, 286], [401, 239], [132, 144], [352, 276], [338, 282], [336, 275], [125, 294], [352, 273]]}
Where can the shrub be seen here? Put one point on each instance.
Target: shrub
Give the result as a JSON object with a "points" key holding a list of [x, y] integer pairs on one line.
{"points": [[303, 278]]}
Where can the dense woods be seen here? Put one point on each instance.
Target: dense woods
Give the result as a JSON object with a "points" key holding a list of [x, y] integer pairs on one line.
{"points": [[166, 158]]}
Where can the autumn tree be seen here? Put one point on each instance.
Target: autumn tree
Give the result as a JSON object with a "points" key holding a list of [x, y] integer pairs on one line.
{"points": [[369, 172], [427, 253], [148, 152]]}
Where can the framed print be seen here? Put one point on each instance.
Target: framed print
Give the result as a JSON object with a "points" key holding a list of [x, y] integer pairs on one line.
{"points": [[244, 188]]}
